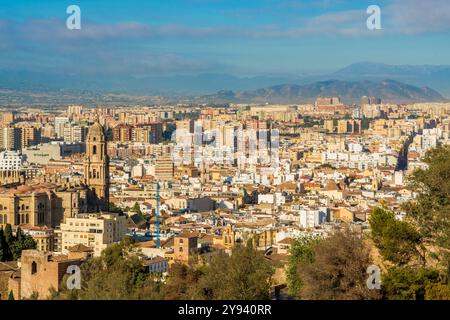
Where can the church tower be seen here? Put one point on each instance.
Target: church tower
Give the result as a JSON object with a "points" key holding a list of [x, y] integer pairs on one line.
{"points": [[96, 168]]}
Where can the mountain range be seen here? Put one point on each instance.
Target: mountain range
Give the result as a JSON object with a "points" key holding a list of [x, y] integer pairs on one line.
{"points": [[405, 83], [349, 91]]}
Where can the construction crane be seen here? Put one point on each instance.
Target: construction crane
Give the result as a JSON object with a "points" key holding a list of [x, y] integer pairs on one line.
{"points": [[157, 214]]}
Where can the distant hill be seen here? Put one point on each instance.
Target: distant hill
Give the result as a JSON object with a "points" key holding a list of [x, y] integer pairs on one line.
{"points": [[349, 91], [156, 84], [407, 83], [434, 76]]}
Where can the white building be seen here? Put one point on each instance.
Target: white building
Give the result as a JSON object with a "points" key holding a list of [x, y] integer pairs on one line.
{"points": [[11, 161], [276, 198], [311, 218], [60, 122], [157, 265], [97, 231]]}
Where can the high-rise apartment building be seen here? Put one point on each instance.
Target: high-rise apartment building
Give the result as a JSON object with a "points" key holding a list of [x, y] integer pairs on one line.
{"points": [[147, 133], [122, 133], [60, 123], [75, 133], [164, 167], [74, 110], [10, 138], [7, 118], [349, 126], [31, 136]]}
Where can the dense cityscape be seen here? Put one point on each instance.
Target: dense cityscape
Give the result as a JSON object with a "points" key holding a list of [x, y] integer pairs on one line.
{"points": [[183, 185], [224, 158]]}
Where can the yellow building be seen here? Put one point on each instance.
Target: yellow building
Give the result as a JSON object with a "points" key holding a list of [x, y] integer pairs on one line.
{"points": [[7, 117], [43, 236], [164, 168], [40, 205], [228, 238], [31, 136]]}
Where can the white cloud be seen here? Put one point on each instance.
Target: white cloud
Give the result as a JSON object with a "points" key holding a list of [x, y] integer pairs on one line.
{"points": [[417, 16]]}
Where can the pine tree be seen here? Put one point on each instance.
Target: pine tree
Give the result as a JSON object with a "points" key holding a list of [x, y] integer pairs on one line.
{"points": [[3, 245], [19, 234], [9, 234], [11, 295], [8, 243]]}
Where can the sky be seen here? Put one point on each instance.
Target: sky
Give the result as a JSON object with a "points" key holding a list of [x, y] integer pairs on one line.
{"points": [[239, 37]]}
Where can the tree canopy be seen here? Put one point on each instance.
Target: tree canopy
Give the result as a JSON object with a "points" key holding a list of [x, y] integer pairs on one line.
{"points": [[418, 247], [11, 246], [333, 268]]}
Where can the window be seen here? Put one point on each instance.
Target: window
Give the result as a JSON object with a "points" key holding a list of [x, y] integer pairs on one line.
{"points": [[94, 150], [33, 267]]}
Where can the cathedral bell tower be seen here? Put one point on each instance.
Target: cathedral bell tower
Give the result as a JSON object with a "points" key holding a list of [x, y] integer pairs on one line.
{"points": [[96, 168]]}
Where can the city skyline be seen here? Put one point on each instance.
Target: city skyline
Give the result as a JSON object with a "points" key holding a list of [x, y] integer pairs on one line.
{"points": [[228, 150]]}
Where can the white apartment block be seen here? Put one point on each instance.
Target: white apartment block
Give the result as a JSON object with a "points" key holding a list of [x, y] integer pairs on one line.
{"points": [[311, 218], [60, 122], [11, 161], [97, 231], [272, 198]]}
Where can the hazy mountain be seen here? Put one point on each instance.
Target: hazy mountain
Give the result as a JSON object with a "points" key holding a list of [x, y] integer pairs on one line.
{"points": [[167, 85], [349, 91], [436, 77], [353, 81]]}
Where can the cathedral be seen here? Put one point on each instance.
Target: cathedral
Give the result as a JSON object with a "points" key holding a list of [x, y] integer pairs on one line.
{"points": [[49, 201]]}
